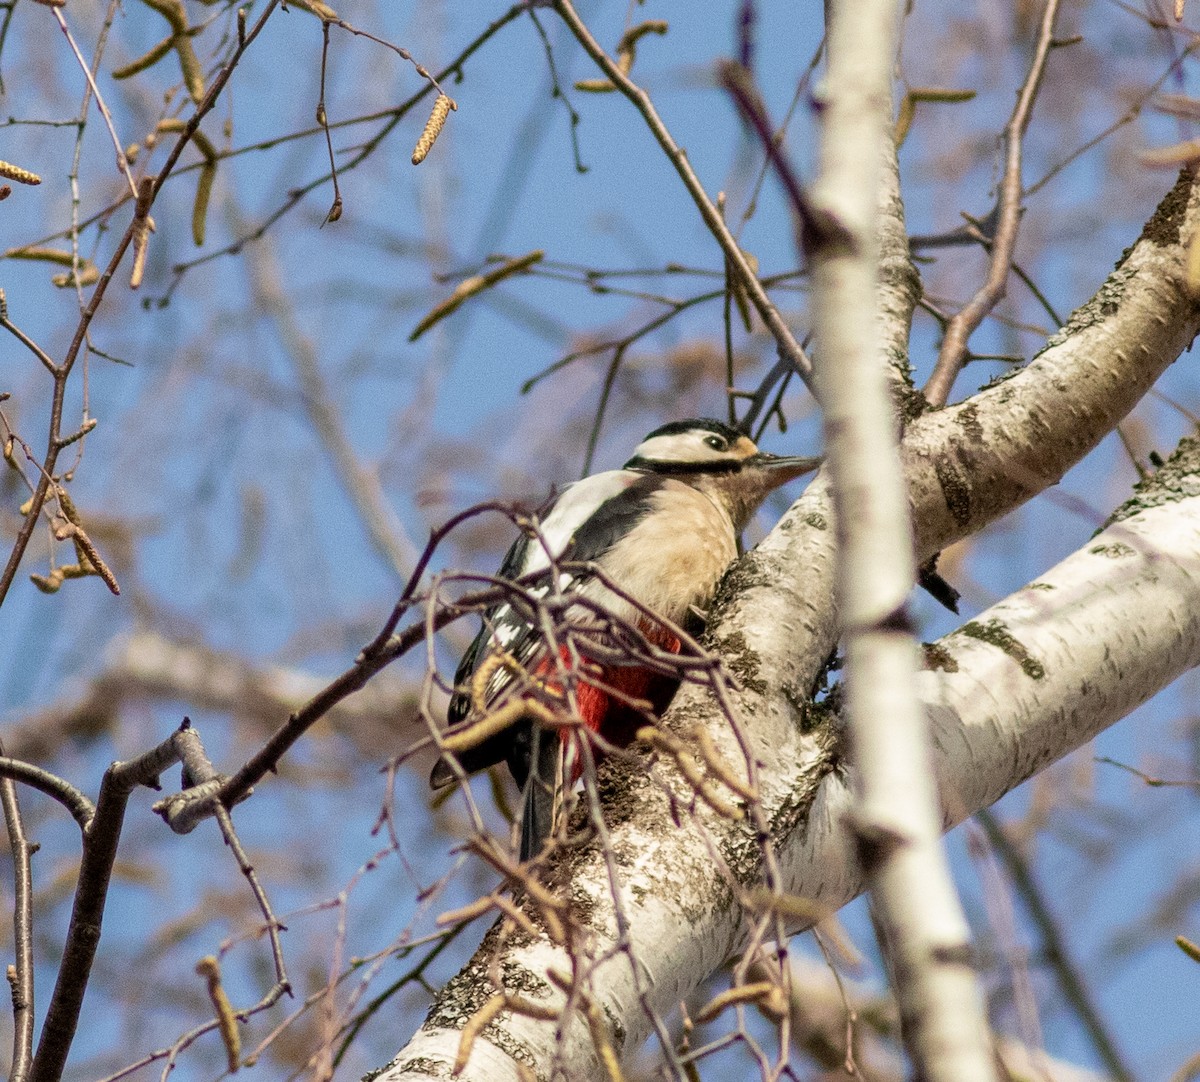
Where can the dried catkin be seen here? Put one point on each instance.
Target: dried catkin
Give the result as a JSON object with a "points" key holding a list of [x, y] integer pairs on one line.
{"points": [[433, 127]]}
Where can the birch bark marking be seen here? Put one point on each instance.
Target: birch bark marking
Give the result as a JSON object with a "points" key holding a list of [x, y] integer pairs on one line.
{"points": [[1106, 630], [896, 817]]}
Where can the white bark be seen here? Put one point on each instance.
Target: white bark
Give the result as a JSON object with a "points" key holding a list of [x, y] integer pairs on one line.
{"points": [[775, 624], [1045, 670], [896, 816], [1023, 684]]}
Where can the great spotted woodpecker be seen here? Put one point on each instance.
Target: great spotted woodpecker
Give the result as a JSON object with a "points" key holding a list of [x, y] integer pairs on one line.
{"points": [[663, 529]]}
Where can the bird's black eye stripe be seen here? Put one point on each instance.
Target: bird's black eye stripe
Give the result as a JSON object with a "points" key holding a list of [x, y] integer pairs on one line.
{"points": [[716, 443], [709, 466]]}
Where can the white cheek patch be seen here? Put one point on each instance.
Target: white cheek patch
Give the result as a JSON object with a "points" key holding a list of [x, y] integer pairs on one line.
{"points": [[678, 447]]}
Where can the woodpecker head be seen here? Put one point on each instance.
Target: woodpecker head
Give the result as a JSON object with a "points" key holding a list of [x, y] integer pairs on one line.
{"points": [[719, 460]]}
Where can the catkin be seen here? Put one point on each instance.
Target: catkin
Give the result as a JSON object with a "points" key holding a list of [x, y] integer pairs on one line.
{"points": [[433, 127], [210, 970], [21, 176]]}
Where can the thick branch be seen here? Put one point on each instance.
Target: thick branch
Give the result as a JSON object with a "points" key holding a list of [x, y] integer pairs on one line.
{"points": [[100, 841], [775, 624], [1023, 684], [1050, 667], [897, 822]]}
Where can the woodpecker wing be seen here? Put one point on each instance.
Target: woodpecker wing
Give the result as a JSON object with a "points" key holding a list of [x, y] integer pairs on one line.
{"points": [[496, 622], [587, 519]]}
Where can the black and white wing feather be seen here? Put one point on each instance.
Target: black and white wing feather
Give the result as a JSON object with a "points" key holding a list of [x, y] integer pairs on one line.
{"points": [[585, 522]]}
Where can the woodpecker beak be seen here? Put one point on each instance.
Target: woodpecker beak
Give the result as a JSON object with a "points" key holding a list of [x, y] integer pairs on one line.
{"points": [[777, 470]]}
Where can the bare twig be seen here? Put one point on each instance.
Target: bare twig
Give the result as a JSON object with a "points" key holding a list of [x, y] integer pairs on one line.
{"points": [[556, 90], [954, 343], [750, 106], [197, 768], [1152, 781], [81, 808], [335, 209], [122, 161], [1054, 947], [264, 903], [61, 373], [20, 974], [350, 681], [390, 117], [24, 339], [785, 340], [185, 1040]]}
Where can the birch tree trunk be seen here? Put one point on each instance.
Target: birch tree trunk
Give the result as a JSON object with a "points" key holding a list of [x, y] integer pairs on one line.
{"points": [[673, 896]]}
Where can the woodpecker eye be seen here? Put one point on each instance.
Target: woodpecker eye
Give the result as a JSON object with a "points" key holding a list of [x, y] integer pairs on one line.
{"points": [[716, 443]]}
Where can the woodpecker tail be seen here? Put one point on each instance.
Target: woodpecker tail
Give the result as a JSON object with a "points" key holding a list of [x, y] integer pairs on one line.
{"points": [[543, 789]]}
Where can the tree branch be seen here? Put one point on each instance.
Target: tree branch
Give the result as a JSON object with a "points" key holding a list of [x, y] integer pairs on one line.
{"points": [[91, 893], [896, 819], [151, 186], [785, 340], [1008, 221], [82, 810], [20, 977], [1023, 684], [775, 623]]}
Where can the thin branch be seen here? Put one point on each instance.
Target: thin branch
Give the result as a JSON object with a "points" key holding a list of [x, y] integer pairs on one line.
{"points": [[171, 1053], [777, 138], [1128, 117], [785, 340], [556, 90], [391, 118], [954, 345], [82, 810], [265, 760], [198, 771], [20, 975], [24, 339], [272, 924], [674, 307], [122, 161], [750, 107], [335, 208], [62, 372], [1054, 946]]}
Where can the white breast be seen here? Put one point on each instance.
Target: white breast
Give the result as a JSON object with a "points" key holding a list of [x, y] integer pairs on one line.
{"points": [[674, 557]]}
